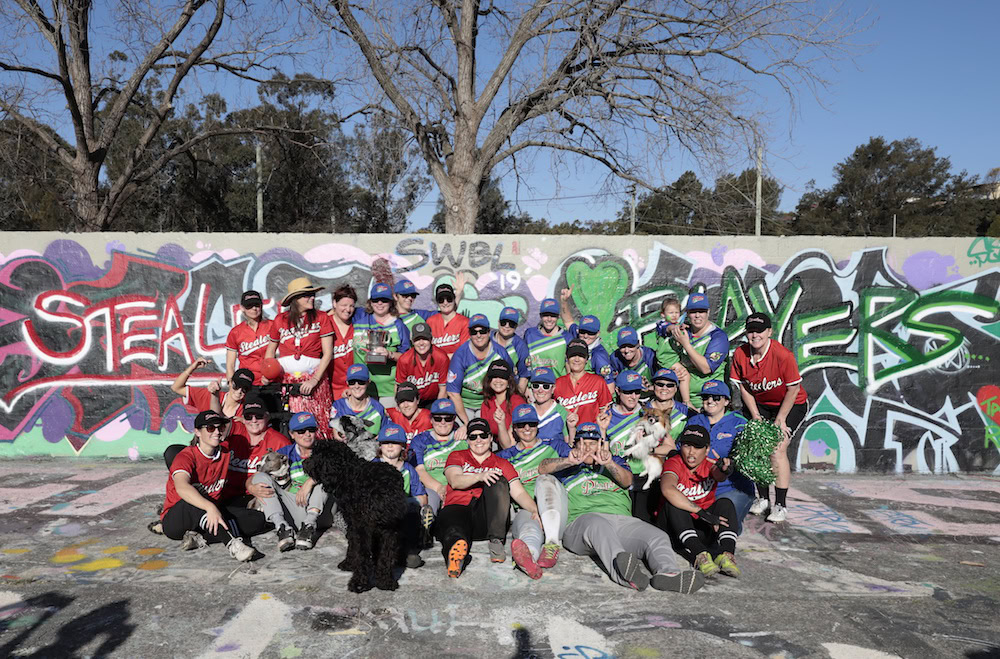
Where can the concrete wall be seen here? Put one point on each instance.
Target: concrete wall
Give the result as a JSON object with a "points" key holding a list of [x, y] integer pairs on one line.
{"points": [[896, 338]]}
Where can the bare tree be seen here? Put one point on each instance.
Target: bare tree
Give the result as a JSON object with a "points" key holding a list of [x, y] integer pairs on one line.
{"points": [[621, 82], [65, 67]]}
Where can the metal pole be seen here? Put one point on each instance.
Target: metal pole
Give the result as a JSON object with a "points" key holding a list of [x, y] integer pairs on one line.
{"points": [[760, 158], [631, 229], [260, 188], [893, 225]]}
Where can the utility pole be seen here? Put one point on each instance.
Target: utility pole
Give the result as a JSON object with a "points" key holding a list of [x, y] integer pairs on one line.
{"points": [[631, 191], [260, 188], [760, 166]]}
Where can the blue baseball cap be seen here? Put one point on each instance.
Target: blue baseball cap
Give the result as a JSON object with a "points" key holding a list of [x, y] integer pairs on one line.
{"points": [[697, 302], [717, 387], [666, 374], [510, 313], [392, 433], [525, 414], [301, 421], [629, 380], [380, 292], [590, 324], [550, 306], [443, 406], [405, 287], [588, 430], [543, 375], [358, 372], [479, 320], [627, 336]]}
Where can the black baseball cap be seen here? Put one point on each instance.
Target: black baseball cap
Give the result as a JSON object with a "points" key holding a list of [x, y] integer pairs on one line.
{"points": [[696, 436], [254, 407], [421, 331], [242, 379], [407, 391], [758, 322], [479, 424], [577, 348], [498, 369], [209, 418], [444, 288], [251, 299]]}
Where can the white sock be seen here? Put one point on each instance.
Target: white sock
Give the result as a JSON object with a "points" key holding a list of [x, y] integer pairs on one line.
{"points": [[550, 524]]}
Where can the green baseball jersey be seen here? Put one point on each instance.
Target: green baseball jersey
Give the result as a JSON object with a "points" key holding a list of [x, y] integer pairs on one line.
{"points": [[714, 346], [548, 350], [595, 491], [433, 454], [526, 460], [618, 434]]}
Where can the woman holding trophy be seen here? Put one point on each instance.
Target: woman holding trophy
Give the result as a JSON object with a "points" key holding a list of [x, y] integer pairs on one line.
{"points": [[380, 338]]}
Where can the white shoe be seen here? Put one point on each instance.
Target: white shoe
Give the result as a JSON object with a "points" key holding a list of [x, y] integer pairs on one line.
{"points": [[239, 550], [778, 514], [759, 506]]}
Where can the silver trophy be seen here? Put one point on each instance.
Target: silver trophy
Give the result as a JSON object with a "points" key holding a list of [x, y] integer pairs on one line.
{"points": [[377, 339]]}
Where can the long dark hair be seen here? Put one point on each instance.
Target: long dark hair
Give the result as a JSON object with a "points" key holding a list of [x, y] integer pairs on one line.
{"points": [[294, 316], [488, 392]]}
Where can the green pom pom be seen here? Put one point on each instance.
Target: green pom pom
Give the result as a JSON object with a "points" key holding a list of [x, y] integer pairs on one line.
{"points": [[753, 448]]}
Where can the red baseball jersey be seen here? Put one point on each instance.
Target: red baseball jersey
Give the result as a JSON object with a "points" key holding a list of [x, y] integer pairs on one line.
{"points": [[198, 399], [768, 378], [208, 474], [244, 458], [421, 422], [250, 345], [470, 465], [427, 377], [586, 398], [343, 357], [301, 341], [697, 486], [449, 336], [489, 408]]}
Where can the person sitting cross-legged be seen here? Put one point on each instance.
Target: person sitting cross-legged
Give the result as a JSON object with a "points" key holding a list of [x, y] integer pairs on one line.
{"points": [[691, 512], [594, 500]]}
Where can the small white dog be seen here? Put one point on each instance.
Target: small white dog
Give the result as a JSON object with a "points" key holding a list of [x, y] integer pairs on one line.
{"points": [[277, 467], [647, 435]]}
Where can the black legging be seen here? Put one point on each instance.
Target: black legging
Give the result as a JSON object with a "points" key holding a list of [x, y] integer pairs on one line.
{"points": [[645, 502], [485, 518], [242, 521], [694, 533]]}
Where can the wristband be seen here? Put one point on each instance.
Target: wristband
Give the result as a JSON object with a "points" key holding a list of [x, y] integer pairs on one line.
{"points": [[706, 516]]}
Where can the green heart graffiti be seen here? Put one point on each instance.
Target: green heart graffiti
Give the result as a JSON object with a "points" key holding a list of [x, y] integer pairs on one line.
{"points": [[597, 290]]}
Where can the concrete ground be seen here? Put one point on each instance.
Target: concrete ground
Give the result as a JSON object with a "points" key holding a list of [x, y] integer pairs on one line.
{"points": [[868, 566]]}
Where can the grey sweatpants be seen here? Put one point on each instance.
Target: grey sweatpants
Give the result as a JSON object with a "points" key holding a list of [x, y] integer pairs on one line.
{"points": [[605, 536], [550, 497], [282, 507]]}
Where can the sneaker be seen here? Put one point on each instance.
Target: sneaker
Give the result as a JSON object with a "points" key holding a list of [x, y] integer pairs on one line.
{"points": [[193, 540], [456, 558], [155, 527], [759, 506], [307, 537], [497, 553], [413, 561], [239, 550], [522, 558], [426, 516], [630, 569], [778, 514], [685, 582], [704, 562], [550, 552], [286, 539], [727, 565]]}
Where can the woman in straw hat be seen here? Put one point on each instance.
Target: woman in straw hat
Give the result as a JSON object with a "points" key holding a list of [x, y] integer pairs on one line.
{"points": [[303, 339]]}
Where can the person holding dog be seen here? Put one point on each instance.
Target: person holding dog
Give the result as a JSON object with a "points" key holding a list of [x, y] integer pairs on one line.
{"points": [[771, 388], [432, 448], [392, 451], [527, 550], [481, 486], [247, 342], [691, 512], [249, 441], [594, 501], [194, 510], [302, 338], [295, 509], [357, 402], [666, 383]]}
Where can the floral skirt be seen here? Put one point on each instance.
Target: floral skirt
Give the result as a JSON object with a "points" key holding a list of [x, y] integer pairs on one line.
{"points": [[318, 403]]}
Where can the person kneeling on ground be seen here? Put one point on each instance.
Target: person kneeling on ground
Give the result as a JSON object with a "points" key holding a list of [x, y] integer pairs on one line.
{"points": [[600, 518], [301, 502], [690, 510], [392, 451], [477, 502], [194, 510]]}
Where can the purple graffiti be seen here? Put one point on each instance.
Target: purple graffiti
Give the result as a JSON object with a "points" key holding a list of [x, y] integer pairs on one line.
{"points": [[928, 269]]}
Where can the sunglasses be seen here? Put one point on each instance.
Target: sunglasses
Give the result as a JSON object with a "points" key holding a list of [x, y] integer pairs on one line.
{"points": [[478, 331], [665, 385], [713, 397], [526, 424], [256, 415], [445, 297], [302, 431], [253, 305], [544, 386], [586, 333], [351, 383], [479, 435], [442, 418], [412, 296], [213, 428], [631, 393], [508, 323]]}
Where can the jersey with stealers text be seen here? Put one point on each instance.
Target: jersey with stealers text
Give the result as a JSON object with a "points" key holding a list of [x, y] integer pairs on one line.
{"points": [[305, 340], [427, 377], [469, 465], [449, 335], [698, 485], [207, 474], [768, 378], [250, 345], [586, 397]]}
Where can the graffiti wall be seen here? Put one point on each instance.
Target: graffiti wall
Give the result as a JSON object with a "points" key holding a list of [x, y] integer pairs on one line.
{"points": [[895, 338]]}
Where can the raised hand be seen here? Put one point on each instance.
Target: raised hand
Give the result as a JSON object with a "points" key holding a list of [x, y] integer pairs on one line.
{"points": [[604, 420], [602, 456], [565, 293]]}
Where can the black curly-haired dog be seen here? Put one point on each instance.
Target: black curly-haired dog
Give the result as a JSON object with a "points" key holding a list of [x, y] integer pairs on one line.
{"points": [[370, 496]]}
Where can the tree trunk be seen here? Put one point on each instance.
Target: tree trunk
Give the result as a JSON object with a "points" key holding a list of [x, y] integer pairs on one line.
{"points": [[461, 209], [87, 202]]}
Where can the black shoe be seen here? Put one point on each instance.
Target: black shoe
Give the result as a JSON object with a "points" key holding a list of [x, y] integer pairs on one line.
{"points": [[630, 569], [413, 561], [685, 582], [307, 537], [286, 539]]}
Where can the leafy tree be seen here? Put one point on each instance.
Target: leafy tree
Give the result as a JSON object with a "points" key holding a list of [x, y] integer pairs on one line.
{"points": [[30, 184]]}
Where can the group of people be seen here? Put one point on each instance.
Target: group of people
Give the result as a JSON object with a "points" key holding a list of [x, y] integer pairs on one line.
{"points": [[495, 434]]}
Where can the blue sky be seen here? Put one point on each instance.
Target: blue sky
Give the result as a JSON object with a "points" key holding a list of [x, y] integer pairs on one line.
{"points": [[931, 70]]}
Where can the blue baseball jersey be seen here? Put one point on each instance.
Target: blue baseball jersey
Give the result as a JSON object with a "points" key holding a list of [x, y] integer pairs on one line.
{"points": [[646, 367], [466, 372], [416, 316], [411, 481], [519, 355], [374, 413], [548, 350], [552, 423], [722, 435]]}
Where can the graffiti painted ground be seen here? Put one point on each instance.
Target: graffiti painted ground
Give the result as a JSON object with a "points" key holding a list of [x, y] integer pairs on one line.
{"points": [[900, 565]]}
